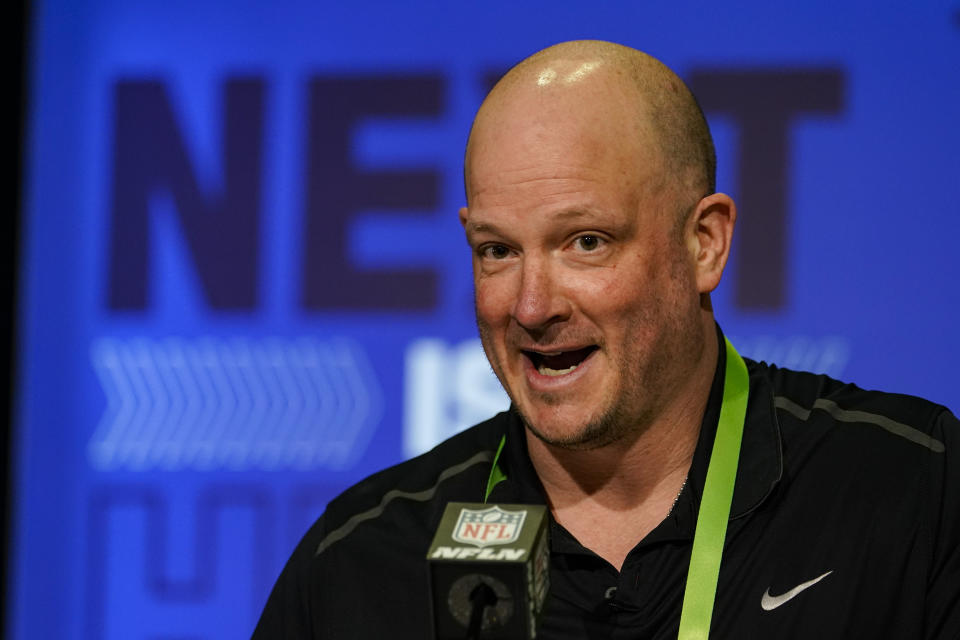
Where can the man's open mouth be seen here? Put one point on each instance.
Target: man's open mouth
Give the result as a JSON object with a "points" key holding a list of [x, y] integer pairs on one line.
{"points": [[558, 363]]}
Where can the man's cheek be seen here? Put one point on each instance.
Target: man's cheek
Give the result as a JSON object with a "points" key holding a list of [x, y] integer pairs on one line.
{"points": [[493, 301]]}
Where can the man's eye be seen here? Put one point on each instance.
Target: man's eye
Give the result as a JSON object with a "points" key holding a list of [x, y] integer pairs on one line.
{"points": [[588, 242], [495, 251]]}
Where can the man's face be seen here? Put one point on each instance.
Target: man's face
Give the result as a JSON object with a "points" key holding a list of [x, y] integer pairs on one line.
{"points": [[585, 296]]}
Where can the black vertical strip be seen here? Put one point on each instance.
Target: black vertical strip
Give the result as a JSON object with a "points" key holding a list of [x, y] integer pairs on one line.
{"points": [[19, 23], [765, 103]]}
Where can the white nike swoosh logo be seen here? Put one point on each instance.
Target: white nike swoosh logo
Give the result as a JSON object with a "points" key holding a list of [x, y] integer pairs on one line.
{"points": [[769, 603]]}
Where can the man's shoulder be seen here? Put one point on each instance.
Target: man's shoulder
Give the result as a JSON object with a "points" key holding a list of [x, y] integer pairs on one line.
{"points": [[454, 470], [819, 403], [377, 533]]}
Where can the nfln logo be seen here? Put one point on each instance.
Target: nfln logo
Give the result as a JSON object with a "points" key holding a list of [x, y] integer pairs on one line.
{"points": [[485, 527]]}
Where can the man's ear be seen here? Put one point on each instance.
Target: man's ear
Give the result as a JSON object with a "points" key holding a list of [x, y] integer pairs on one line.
{"points": [[463, 216], [709, 232]]}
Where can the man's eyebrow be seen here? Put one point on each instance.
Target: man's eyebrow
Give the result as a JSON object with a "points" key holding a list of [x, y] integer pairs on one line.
{"points": [[481, 227], [564, 214]]}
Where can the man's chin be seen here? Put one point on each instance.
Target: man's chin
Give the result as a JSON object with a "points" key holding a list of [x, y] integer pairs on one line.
{"points": [[564, 431]]}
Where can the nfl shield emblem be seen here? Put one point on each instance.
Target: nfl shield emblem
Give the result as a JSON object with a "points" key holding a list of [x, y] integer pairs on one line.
{"points": [[485, 527]]}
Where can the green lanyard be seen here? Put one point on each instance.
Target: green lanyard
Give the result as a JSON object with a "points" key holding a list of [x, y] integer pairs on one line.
{"points": [[708, 538], [701, 591]]}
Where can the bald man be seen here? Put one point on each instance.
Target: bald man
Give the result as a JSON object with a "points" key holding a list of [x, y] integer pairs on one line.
{"points": [[597, 237]]}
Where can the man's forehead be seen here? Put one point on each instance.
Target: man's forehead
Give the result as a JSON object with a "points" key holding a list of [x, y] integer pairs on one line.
{"points": [[555, 111], [560, 142]]}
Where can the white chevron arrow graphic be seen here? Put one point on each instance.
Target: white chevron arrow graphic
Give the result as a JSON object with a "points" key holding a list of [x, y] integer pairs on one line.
{"points": [[239, 404]]}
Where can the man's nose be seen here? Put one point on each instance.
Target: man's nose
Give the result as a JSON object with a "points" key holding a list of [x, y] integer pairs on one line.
{"points": [[541, 300]]}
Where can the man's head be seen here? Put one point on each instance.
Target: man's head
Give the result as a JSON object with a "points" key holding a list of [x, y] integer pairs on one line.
{"points": [[661, 103], [595, 237]]}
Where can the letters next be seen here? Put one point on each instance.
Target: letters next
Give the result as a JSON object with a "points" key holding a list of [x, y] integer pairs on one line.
{"points": [[221, 226]]}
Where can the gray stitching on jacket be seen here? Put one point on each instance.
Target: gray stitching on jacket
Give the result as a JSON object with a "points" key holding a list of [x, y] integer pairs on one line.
{"points": [[844, 415], [421, 496]]}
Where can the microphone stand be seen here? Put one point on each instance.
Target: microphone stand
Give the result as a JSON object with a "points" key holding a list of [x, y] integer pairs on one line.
{"points": [[481, 597]]}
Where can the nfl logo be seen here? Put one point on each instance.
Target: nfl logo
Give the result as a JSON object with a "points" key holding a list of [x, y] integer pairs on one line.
{"points": [[485, 527]]}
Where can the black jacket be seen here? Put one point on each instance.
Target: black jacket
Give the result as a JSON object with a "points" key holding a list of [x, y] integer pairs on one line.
{"points": [[857, 488]]}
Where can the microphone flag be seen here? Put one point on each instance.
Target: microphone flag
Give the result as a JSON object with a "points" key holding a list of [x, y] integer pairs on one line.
{"points": [[501, 549]]}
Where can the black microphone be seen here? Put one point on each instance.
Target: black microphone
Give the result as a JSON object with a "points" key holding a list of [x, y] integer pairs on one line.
{"points": [[489, 571]]}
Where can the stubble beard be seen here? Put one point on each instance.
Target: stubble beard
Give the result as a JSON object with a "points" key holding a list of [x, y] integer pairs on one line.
{"points": [[601, 430], [631, 408]]}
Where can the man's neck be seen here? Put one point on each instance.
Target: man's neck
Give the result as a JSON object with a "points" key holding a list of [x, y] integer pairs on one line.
{"points": [[612, 496]]}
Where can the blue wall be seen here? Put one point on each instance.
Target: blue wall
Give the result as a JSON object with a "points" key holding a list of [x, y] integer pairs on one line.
{"points": [[244, 285]]}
